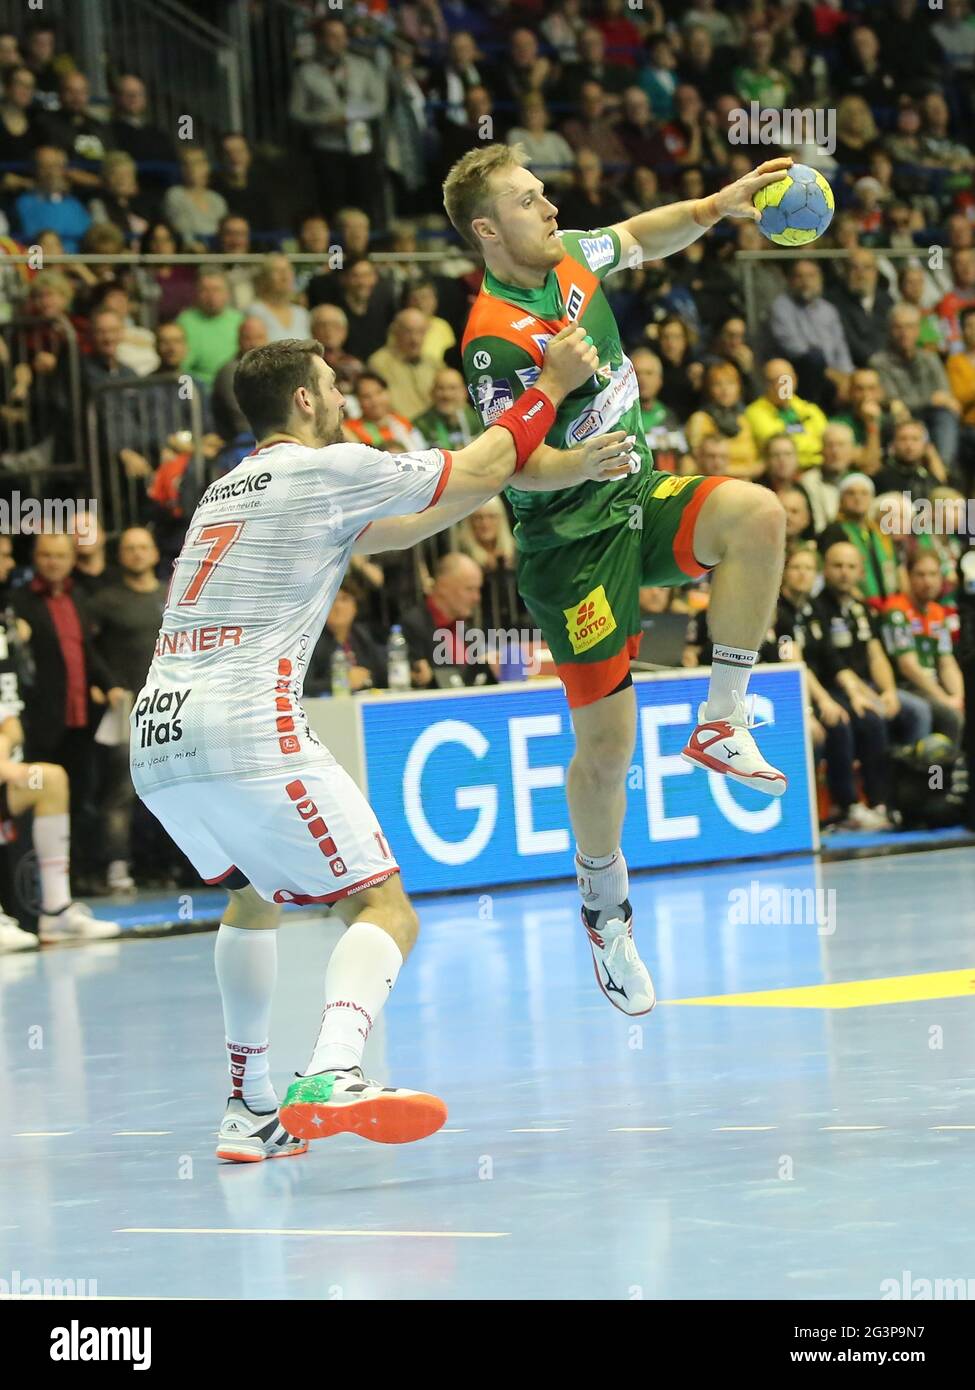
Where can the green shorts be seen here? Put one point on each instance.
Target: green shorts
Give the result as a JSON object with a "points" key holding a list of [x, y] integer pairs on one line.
{"points": [[585, 595]]}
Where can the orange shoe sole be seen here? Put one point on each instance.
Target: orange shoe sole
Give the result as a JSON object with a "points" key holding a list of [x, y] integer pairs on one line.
{"points": [[232, 1156], [384, 1120]]}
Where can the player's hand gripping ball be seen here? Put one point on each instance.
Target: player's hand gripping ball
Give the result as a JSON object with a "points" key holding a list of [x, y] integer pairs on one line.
{"points": [[797, 208]]}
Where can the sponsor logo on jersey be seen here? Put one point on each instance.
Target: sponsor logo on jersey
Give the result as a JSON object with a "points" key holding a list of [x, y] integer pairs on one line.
{"points": [[481, 360], [524, 323], [528, 376], [236, 487], [198, 639], [150, 728], [598, 250], [542, 340], [494, 398], [669, 487], [574, 302], [418, 463], [588, 622], [585, 426]]}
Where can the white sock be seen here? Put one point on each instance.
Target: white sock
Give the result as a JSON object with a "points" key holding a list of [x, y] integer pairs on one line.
{"points": [[360, 975], [730, 670], [52, 845], [602, 880], [246, 960]]}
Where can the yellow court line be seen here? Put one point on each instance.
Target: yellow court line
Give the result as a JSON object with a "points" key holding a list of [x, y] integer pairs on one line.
{"points": [[850, 994], [294, 1231]]}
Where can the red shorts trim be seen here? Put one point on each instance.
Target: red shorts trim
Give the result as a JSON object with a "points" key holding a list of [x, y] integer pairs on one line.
{"points": [[684, 539], [587, 682], [220, 877], [306, 899]]}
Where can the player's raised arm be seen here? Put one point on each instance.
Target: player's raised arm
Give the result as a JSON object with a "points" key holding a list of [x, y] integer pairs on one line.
{"points": [[663, 231], [512, 449]]}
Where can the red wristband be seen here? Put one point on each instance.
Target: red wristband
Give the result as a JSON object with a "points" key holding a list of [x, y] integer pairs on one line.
{"points": [[528, 422]]}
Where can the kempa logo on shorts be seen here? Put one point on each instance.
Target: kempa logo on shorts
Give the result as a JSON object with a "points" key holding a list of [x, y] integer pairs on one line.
{"points": [[77, 1343], [588, 622], [481, 360]]}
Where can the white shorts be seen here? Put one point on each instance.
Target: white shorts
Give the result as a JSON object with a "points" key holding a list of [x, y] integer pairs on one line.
{"points": [[305, 836]]}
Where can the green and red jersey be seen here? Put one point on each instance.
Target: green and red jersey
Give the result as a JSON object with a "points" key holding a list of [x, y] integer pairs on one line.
{"points": [[924, 631], [503, 351]]}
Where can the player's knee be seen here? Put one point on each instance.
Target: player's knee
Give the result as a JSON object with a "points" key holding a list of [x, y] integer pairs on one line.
{"points": [[765, 523], [604, 755], [53, 782]]}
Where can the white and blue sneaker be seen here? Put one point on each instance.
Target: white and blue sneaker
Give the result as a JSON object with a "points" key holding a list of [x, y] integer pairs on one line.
{"points": [[620, 973], [246, 1137]]}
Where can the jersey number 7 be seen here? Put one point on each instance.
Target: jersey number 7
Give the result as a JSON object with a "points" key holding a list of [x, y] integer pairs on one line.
{"points": [[219, 537]]}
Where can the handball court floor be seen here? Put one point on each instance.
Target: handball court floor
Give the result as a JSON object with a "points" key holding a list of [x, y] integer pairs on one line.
{"points": [[808, 1131]]}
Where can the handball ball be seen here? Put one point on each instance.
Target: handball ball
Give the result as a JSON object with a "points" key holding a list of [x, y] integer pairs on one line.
{"points": [[797, 208]]}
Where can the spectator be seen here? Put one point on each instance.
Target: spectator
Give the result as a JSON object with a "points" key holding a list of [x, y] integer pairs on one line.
{"points": [[367, 664], [687, 139], [781, 410], [547, 153], [525, 69], [662, 428], [562, 27], [133, 132], [440, 337], [126, 617], [409, 130], [855, 672], [336, 98], [872, 424], [434, 629], [191, 207], [594, 131], [863, 305], [955, 35], [856, 137], [913, 464], [229, 420], [91, 572], [961, 379], [659, 78], [637, 128], [47, 65], [701, 66], [593, 67], [122, 203], [451, 422], [137, 347], [723, 413], [781, 464], [756, 79], [938, 149], [877, 579], [711, 457], [960, 296], [21, 130], [117, 414], [822, 485], [730, 344], [589, 203], [379, 425], [623, 37], [173, 287], [463, 70], [245, 188], [918, 381], [76, 130], [211, 326], [704, 14], [864, 73], [799, 531], [916, 290], [807, 329], [49, 204], [682, 372], [314, 239], [918, 640], [330, 326], [234, 239], [274, 301], [486, 537], [766, 279], [479, 121], [70, 677], [408, 373], [365, 299]]}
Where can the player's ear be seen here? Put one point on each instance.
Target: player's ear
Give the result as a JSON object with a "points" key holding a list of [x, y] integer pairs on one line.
{"points": [[484, 228]]}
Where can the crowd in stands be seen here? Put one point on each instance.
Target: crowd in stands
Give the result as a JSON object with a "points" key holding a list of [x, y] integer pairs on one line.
{"points": [[845, 385]]}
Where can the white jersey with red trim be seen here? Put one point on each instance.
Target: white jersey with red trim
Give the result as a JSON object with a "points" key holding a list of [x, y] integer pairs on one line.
{"points": [[264, 555]]}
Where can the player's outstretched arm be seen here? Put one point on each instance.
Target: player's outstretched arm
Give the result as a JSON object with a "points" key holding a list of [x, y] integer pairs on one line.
{"points": [[510, 451], [661, 232]]}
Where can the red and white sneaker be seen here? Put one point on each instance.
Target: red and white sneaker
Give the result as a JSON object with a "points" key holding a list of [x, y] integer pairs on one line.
{"points": [[620, 973], [726, 746]]}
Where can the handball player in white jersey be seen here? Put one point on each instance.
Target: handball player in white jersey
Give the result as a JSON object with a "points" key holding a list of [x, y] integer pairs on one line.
{"points": [[221, 751]]}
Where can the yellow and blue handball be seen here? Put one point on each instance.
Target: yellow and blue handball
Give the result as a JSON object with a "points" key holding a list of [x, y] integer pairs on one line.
{"points": [[797, 208]]}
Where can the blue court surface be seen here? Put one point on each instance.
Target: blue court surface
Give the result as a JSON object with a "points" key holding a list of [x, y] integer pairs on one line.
{"points": [[795, 1120]]}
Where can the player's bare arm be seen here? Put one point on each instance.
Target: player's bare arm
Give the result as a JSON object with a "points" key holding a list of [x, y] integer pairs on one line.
{"points": [[664, 231]]}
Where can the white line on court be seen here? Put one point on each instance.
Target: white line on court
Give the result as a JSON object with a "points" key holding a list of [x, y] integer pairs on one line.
{"points": [[259, 1231]]}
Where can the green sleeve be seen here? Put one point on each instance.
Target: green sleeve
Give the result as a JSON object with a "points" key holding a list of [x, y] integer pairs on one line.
{"points": [[496, 372], [599, 250]]}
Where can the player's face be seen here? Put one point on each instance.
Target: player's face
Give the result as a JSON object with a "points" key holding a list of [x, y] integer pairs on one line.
{"points": [[525, 222], [329, 406], [926, 580]]}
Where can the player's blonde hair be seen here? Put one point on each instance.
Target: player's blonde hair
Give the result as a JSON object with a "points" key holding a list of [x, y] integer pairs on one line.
{"points": [[467, 191]]}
